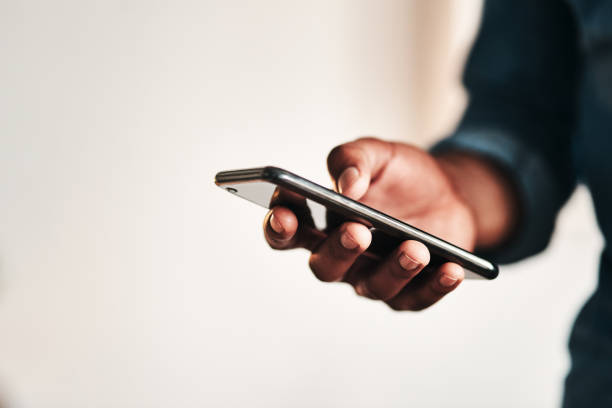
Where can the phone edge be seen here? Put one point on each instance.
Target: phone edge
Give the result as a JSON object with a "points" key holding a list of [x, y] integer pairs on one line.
{"points": [[486, 269]]}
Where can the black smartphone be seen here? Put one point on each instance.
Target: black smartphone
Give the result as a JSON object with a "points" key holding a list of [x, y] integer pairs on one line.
{"points": [[325, 209]]}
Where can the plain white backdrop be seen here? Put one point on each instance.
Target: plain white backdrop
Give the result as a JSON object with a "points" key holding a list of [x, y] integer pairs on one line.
{"points": [[127, 279]]}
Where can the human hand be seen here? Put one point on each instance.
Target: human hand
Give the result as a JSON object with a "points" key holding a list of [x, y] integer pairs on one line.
{"points": [[406, 183]]}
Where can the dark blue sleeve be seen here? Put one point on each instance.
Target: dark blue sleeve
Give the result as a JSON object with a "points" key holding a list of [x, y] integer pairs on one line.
{"points": [[521, 77]]}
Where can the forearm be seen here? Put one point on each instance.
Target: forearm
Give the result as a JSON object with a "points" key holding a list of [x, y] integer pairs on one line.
{"points": [[487, 191]]}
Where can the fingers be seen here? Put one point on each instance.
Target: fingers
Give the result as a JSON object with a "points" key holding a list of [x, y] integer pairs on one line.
{"points": [[396, 280], [332, 256], [396, 271], [428, 291], [336, 254], [280, 227], [353, 165]]}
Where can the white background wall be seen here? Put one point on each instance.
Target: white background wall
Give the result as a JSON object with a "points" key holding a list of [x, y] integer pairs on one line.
{"points": [[128, 280]]}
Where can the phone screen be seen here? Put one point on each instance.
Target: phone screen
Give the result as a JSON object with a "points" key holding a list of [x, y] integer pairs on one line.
{"points": [[269, 195]]}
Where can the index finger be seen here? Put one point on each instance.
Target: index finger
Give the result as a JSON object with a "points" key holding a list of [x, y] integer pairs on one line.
{"points": [[352, 165]]}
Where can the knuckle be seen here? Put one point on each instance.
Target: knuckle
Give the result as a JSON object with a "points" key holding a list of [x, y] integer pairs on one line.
{"points": [[376, 293], [321, 273], [337, 252], [360, 289], [381, 288], [406, 304], [417, 307], [396, 306], [382, 296]]}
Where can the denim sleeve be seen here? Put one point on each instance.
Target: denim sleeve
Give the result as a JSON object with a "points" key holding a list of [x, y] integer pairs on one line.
{"points": [[521, 78]]}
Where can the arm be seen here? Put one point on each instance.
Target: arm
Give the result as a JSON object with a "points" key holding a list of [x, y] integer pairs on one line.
{"points": [[522, 76]]}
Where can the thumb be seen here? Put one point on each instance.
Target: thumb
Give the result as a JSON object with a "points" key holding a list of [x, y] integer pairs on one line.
{"points": [[354, 165]]}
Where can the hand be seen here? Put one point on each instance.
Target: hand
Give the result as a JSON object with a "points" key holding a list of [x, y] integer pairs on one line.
{"points": [[406, 183]]}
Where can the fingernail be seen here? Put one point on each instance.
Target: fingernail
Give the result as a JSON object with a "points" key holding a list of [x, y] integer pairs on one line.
{"points": [[348, 241], [447, 280], [275, 224], [347, 178], [408, 263]]}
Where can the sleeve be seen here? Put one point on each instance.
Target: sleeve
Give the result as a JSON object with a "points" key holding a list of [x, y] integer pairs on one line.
{"points": [[521, 77]]}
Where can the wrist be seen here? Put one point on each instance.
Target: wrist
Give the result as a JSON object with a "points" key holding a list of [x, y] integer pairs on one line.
{"points": [[488, 193]]}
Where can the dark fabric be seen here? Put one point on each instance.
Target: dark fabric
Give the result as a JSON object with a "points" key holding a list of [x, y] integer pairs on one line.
{"points": [[540, 83]]}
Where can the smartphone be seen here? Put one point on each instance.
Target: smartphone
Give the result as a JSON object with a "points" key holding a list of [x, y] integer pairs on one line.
{"points": [[326, 209]]}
